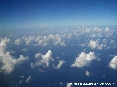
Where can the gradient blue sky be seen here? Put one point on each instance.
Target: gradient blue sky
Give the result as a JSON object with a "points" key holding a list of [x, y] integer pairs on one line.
{"points": [[43, 13]]}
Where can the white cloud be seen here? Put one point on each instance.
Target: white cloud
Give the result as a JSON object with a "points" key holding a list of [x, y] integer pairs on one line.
{"points": [[61, 62], [22, 76], [107, 30], [32, 65], [100, 47], [18, 41], [29, 39], [95, 44], [42, 40], [38, 55], [20, 81], [113, 63], [112, 41], [43, 60], [61, 83], [42, 70], [84, 59], [69, 85], [9, 62], [63, 43], [25, 49], [87, 73], [6, 59], [28, 79]]}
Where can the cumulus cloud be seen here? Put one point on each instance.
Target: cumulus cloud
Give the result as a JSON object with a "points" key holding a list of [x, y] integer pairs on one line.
{"points": [[42, 40], [93, 35], [84, 59], [95, 44], [28, 79], [29, 39], [104, 41], [63, 43], [61, 83], [18, 41], [25, 49], [69, 85], [6, 59], [38, 55], [107, 29], [20, 81], [113, 63], [108, 32], [61, 62], [87, 73], [22, 76], [112, 41], [43, 60]]}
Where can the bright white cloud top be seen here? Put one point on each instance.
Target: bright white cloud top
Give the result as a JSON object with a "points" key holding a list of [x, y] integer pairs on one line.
{"points": [[95, 44], [43, 60], [61, 62], [69, 85], [84, 59], [113, 63], [8, 61]]}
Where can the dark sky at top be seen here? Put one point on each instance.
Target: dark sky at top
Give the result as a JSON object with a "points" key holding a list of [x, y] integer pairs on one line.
{"points": [[43, 13]]}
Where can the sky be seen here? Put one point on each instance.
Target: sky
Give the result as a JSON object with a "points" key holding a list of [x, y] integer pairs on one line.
{"points": [[44, 13]]}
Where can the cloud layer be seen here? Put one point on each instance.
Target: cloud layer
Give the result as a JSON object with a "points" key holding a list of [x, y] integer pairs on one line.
{"points": [[95, 44]]}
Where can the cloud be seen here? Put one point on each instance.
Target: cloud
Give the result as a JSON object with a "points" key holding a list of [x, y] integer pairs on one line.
{"points": [[84, 59], [25, 49], [61, 62], [93, 35], [18, 41], [20, 81], [87, 73], [28, 79], [112, 41], [43, 60], [63, 43], [108, 32], [29, 39], [6, 59], [9, 62], [113, 63], [41, 70], [69, 85], [95, 44], [61, 83], [38, 55], [42, 40]]}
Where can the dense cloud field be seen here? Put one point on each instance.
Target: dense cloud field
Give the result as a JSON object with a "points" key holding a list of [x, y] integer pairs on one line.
{"points": [[58, 57]]}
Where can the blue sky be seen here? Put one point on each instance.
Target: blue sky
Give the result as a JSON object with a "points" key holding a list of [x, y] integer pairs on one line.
{"points": [[44, 13]]}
